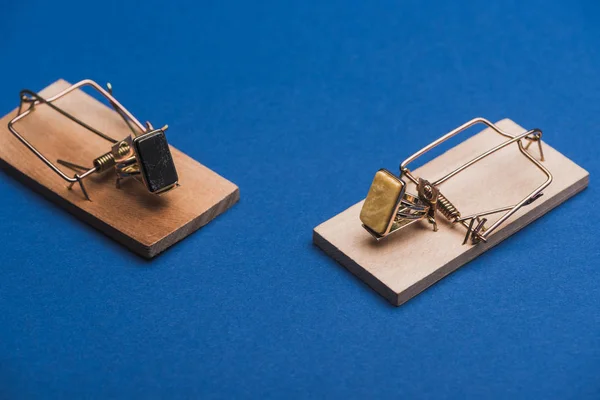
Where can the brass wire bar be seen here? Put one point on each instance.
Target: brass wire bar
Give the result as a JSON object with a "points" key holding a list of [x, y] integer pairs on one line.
{"points": [[474, 223], [154, 143], [39, 100]]}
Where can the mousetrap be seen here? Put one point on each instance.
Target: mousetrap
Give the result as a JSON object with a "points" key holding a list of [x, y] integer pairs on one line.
{"points": [[97, 160], [416, 227]]}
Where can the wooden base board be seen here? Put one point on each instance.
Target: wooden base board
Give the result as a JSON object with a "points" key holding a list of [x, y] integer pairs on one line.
{"points": [[407, 262], [145, 223]]}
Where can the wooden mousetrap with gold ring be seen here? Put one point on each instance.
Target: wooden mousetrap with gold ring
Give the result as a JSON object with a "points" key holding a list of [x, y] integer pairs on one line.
{"points": [[472, 196]]}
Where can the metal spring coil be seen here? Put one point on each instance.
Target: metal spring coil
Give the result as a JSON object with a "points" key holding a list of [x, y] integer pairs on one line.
{"points": [[107, 160], [444, 206], [447, 209]]}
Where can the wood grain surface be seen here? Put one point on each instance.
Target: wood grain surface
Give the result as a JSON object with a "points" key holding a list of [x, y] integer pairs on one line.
{"points": [[407, 262], [145, 223]]}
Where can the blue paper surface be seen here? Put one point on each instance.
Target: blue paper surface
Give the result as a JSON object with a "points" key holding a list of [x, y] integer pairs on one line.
{"points": [[299, 103]]}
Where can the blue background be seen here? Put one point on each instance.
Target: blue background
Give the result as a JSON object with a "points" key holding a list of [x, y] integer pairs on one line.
{"points": [[299, 103]]}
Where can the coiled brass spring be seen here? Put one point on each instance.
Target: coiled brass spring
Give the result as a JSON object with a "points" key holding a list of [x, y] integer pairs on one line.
{"points": [[443, 205], [107, 160], [447, 209]]}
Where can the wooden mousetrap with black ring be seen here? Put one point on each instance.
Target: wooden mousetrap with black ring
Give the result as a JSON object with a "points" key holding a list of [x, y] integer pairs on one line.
{"points": [[98, 161]]}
